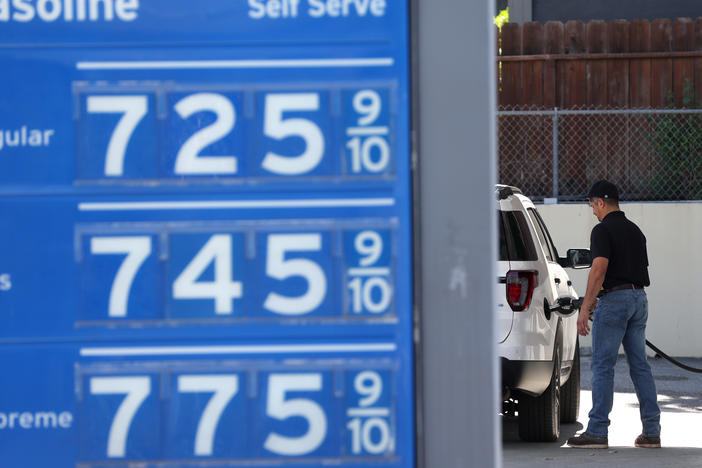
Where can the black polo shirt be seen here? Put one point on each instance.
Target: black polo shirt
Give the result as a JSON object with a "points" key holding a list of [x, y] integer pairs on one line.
{"points": [[622, 242]]}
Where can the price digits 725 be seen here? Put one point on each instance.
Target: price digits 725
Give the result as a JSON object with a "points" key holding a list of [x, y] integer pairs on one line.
{"points": [[206, 134]]}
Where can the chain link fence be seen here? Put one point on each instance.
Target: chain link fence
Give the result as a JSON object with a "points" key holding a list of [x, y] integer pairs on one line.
{"points": [[650, 154]]}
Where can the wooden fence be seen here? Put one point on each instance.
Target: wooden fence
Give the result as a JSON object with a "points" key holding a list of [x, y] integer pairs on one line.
{"points": [[620, 64]]}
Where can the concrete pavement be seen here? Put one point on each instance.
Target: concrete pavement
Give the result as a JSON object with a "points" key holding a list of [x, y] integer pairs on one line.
{"points": [[680, 399]]}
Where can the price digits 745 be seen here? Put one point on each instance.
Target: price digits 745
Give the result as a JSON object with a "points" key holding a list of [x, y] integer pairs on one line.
{"points": [[208, 134], [212, 275]]}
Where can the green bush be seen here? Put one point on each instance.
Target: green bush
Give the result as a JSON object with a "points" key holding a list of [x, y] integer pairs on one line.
{"points": [[676, 142]]}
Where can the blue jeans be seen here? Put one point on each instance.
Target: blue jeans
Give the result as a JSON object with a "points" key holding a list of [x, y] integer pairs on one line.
{"points": [[620, 318]]}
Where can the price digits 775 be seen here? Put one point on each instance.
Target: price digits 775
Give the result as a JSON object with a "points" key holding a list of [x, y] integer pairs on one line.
{"points": [[213, 415]]}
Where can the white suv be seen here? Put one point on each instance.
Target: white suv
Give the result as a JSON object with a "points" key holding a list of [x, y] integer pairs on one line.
{"points": [[536, 320]]}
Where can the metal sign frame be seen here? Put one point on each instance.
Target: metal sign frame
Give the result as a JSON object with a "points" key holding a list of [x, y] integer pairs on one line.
{"points": [[210, 252]]}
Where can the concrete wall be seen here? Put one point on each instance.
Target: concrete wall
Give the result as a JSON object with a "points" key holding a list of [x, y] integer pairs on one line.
{"points": [[674, 238]]}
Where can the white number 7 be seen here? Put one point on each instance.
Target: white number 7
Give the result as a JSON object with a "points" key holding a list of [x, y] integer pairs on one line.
{"points": [[137, 250], [224, 388], [134, 109], [136, 389]]}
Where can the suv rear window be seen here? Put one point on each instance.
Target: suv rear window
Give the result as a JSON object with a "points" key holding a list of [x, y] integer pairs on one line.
{"points": [[516, 243]]}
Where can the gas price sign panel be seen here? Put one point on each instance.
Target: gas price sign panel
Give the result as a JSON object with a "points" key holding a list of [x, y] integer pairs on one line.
{"points": [[205, 252]]}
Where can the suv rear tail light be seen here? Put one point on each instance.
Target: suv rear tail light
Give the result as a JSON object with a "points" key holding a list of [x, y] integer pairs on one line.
{"points": [[520, 287]]}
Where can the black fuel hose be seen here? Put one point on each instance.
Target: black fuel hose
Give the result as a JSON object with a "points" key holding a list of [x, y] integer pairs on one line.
{"points": [[657, 350], [672, 360]]}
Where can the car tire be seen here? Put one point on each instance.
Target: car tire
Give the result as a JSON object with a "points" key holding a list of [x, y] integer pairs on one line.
{"points": [[539, 417], [570, 392]]}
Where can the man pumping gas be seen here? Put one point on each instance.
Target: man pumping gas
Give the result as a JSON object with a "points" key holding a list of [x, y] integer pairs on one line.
{"points": [[619, 274]]}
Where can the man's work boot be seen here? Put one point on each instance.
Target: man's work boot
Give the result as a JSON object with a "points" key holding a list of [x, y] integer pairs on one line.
{"points": [[648, 442], [588, 441]]}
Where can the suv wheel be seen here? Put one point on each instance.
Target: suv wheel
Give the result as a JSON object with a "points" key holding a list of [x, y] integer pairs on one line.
{"points": [[539, 417], [570, 393]]}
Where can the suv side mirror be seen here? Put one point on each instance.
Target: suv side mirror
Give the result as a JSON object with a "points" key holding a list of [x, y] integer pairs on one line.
{"points": [[577, 259]]}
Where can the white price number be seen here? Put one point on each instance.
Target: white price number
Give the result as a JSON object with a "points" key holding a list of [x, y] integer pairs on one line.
{"points": [[136, 390], [370, 288], [370, 150], [5, 282], [223, 290], [280, 408], [137, 250], [369, 426], [189, 159], [217, 251], [223, 388], [279, 268], [133, 109], [279, 128]]}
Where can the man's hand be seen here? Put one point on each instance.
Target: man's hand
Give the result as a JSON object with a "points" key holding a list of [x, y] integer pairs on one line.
{"points": [[583, 325], [594, 283]]}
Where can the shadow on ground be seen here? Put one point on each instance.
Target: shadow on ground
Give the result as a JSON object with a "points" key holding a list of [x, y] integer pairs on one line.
{"points": [[680, 400]]}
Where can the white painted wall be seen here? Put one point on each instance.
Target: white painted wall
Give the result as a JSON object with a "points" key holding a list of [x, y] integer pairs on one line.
{"points": [[674, 238]]}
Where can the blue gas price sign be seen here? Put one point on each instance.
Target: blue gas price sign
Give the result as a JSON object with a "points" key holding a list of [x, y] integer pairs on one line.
{"points": [[205, 253]]}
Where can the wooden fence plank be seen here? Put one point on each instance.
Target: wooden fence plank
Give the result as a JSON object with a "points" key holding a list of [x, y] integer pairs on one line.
{"points": [[539, 139], [640, 69], [618, 70], [554, 38], [591, 159], [533, 72], [661, 35], [575, 43], [618, 128], [532, 38], [554, 44], [661, 69], [511, 39], [683, 68], [639, 95], [618, 33], [536, 139], [683, 35], [575, 37], [640, 36], [511, 94], [596, 36], [597, 69]]}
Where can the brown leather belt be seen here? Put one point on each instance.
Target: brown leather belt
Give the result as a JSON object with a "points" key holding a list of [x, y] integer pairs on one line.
{"points": [[622, 286]]}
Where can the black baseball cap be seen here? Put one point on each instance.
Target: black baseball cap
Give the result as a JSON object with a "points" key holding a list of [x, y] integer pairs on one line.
{"points": [[604, 189]]}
